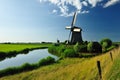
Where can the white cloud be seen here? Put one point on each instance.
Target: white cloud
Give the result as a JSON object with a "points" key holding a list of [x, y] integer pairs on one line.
{"points": [[64, 9], [54, 11], [94, 2], [85, 3], [64, 6], [84, 12], [111, 2], [54, 1], [67, 14]]}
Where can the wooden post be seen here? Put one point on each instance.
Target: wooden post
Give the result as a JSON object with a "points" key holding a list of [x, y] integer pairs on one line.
{"points": [[99, 69], [111, 56]]}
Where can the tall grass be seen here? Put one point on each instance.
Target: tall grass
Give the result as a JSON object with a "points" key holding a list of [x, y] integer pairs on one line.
{"points": [[114, 72]]}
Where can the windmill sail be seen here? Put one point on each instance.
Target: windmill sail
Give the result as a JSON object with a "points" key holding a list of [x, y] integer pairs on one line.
{"points": [[74, 19], [68, 27], [69, 36]]}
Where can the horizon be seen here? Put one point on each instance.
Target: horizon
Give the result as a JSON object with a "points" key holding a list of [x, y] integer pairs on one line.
{"points": [[45, 21]]}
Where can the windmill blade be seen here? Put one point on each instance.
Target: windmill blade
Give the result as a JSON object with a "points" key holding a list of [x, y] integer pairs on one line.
{"points": [[69, 36], [74, 19], [68, 27]]}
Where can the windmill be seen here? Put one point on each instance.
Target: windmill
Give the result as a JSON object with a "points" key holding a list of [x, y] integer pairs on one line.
{"points": [[75, 32]]}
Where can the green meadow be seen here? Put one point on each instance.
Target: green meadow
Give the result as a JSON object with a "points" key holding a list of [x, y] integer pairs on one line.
{"points": [[19, 47]]}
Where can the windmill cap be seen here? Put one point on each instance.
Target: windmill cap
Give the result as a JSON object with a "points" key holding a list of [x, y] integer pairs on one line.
{"points": [[77, 27]]}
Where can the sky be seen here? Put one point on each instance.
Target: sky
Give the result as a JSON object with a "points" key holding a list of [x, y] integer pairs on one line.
{"points": [[45, 20]]}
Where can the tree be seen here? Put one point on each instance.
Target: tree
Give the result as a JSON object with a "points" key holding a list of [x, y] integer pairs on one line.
{"points": [[94, 47], [106, 43]]}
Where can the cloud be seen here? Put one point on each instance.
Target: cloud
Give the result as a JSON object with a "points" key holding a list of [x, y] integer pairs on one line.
{"points": [[85, 3], [54, 11], [111, 2], [85, 11], [94, 2], [63, 7]]}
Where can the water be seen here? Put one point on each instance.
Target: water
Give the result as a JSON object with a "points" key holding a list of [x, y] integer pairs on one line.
{"points": [[32, 57]]}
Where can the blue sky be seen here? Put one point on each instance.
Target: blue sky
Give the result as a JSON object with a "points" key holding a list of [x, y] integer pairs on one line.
{"points": [[45, 20]]}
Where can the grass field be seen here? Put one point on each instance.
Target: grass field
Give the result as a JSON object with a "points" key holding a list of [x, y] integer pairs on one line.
{"points": [[75, 69], [115, 70], [19, 47]]}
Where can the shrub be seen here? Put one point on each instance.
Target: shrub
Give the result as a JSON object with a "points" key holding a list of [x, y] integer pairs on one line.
{"points": [[56, 44], [56, 50], [2, 54], [25, 50], [26, 67], [69, 53], [77, 47], [46, 61], [90, 47], [106, 43], [94, 47], [7, 71], [83, 48], [61, 49], [85, 42], [80, 48], [52, 49], [50, 60]]}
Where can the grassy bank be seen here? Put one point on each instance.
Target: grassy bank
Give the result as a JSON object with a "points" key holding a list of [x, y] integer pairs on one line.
{"points": [[8, 50], [73, 69], [114, 73], [27, 67]]}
